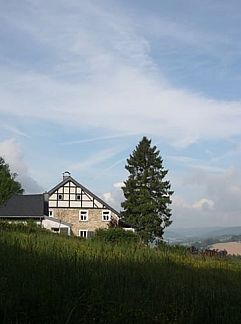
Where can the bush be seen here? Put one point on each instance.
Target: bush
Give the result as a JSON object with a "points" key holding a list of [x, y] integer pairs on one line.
{"points": [[21, 226], [115, 235]]}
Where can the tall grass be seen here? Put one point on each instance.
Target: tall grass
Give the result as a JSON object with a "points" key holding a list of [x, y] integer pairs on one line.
{"points": [[46, 278]]}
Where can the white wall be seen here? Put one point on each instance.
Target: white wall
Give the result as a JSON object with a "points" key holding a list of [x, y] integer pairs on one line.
{"points": [[50, 223]]}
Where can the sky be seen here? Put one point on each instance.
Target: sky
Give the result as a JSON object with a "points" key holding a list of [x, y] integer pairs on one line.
{"points": [[81, 82]]}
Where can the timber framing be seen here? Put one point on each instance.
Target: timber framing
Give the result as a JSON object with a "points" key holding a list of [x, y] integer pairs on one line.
{"points": [[82, 196]]}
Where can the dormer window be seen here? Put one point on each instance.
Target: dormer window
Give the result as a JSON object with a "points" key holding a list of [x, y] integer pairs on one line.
{"points": [[60, 197]]}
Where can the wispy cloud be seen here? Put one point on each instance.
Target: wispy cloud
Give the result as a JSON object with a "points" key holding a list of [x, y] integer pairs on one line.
{"points": [[114, 85], [193, 163], [98, 139], [14, 130], [95, 159], [134, 103], [186, 33]]}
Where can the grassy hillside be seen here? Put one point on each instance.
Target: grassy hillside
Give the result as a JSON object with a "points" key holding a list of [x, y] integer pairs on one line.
{"points": [[45, 278]]}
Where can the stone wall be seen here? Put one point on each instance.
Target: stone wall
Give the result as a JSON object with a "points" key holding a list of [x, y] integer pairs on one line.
{"points": [[71, 215]]}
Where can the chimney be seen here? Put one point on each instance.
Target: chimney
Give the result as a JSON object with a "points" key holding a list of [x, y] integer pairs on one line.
{"points": [[66, 175]]}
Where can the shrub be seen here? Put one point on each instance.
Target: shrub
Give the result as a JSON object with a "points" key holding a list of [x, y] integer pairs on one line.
{"points": [[115, 235], [28, 226]]}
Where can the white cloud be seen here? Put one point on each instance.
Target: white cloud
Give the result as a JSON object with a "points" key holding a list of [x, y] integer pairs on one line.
{"points": [[118, 185], [13, 155], [103, 76], [107, 196], [115, 196], [203, 204], [221, 204], [138, 101]]}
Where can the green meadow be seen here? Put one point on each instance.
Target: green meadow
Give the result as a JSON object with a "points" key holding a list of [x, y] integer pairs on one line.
{"points": [[47, 278]]}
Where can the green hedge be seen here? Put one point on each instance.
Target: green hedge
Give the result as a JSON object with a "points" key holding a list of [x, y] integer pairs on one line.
{"points": [[115, 235]]}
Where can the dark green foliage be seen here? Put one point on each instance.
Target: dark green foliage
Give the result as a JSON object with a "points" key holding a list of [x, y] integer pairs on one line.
{"points": [[8, 185], [53, 279], [115, 235], [24, 227], [147, 194]]}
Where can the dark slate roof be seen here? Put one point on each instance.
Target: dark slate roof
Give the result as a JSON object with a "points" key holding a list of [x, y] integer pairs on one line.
{"points": [[31, 206], [67, 179]]}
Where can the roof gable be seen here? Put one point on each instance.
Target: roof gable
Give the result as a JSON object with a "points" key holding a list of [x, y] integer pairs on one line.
{"points": [[86, 191]]}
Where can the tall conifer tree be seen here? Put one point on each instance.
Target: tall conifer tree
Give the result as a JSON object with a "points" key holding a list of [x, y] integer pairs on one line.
{"points": [[147, 194], [8, 185]]}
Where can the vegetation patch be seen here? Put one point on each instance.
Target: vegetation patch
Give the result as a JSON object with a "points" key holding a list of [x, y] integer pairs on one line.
{"points": [[46, 278], [115, 235]]}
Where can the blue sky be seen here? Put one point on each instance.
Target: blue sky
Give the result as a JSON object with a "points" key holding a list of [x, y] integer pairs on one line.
{"points": [[82, 81]]}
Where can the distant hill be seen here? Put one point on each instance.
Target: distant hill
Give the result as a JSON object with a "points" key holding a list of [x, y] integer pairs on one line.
{"points": [[178, 235]]}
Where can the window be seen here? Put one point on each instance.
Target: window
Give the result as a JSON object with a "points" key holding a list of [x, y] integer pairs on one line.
{"points": [[105, 215], [83, 215], [83, 233], [55, 229], [130, 229], [51, 213], [60, 197], [78, 196]]}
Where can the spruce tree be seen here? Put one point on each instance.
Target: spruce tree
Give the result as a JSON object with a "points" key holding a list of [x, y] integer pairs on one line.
{"points": [[8, 185], [147, 194]]}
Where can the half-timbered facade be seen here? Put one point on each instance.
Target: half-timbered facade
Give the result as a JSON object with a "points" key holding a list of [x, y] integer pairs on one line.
{"points": [[71, 202]]}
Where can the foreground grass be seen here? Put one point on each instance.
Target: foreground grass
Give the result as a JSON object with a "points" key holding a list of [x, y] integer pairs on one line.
{"points": [[45, 278]]}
